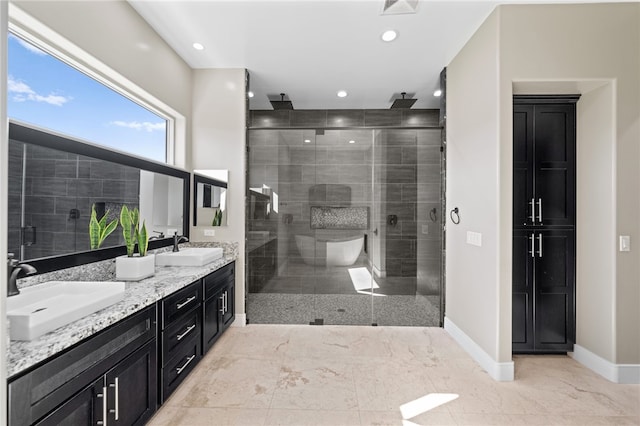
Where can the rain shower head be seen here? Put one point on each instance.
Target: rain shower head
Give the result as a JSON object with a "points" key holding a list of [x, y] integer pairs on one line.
{"points": [[281, 104], [403, 103]]}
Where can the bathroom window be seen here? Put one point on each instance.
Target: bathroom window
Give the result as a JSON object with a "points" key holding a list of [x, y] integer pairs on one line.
{"points": [[47, 92]]}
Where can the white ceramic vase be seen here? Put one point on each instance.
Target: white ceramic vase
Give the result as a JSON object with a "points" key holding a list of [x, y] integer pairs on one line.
{"points": [[135, 268]]}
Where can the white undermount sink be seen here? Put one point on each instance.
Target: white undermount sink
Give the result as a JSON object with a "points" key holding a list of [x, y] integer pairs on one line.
{"points": [[44, 307], [193, 256]]}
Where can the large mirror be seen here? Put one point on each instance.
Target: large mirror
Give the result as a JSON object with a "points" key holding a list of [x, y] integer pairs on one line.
{"points": [[211, 195], [53, 183]]}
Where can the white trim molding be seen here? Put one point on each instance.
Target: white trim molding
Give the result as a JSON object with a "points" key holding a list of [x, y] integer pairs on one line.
{"points": [[499, 371], [616, 373], [240, 320]]}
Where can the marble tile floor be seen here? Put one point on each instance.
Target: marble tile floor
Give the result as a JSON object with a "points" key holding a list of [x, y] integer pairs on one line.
{"points": [[343, 309], [345, 375]]}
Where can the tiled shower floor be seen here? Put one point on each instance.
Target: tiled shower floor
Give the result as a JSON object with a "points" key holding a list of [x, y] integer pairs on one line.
{"points": [[343, 309]]}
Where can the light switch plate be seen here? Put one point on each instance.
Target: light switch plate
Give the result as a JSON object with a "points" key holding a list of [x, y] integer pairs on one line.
{"points": [[625, 243], [209, 232], [425, 229], [474, 238]]}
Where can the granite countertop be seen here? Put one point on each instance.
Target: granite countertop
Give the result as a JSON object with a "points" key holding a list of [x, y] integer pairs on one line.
{"points": [[138, 295]]}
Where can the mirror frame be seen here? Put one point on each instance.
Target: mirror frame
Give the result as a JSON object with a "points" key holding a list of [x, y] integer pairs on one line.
{"points": [[48, 139], [207, 181]]}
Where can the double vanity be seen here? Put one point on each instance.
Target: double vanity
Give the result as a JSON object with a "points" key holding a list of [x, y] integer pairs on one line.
{"points": [[119, 364]]}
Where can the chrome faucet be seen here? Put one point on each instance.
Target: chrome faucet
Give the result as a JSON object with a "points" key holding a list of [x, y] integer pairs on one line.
{"points": [[157, 237], [178, 239], [13, 269]]}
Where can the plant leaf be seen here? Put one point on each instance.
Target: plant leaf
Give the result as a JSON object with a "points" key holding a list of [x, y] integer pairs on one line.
{"points": [[143, 240], [125, 222], [94, 230]]}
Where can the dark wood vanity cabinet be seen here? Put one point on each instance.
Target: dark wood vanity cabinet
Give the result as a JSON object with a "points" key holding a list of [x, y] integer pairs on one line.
{"points": [[218, 306], [180, 336], [110, 377]]}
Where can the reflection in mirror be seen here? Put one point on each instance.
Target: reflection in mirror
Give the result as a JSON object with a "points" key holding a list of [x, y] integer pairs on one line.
{"points": [[54, 181], [210, 201]]}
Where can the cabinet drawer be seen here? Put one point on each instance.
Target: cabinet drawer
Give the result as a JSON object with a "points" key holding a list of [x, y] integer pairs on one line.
{"points": [[217, 279], [179, 367], [180, 302], [180, 332]]}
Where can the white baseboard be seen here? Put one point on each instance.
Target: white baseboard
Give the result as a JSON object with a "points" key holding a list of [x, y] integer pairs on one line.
{"points": [[617, 373], [499, 371], [240, 320]]}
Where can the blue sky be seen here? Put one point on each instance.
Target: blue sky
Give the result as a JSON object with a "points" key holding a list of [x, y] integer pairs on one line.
{"points": [[47, 92]]}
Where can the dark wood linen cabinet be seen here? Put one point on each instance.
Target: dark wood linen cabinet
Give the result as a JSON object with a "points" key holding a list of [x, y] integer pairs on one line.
{"points": [[544, 220]]}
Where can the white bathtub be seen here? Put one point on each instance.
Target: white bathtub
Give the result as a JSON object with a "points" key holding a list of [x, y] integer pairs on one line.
{"points": [[329, 252]]}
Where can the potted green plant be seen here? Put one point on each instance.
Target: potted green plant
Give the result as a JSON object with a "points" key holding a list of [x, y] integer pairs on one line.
{"points": [[99, 230], [134, 266]]}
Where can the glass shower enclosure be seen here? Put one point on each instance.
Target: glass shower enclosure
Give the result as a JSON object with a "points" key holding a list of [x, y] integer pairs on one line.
{"points": [[344, 227]]}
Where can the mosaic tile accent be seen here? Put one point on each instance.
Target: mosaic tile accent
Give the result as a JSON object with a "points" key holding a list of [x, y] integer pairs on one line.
{"points": [[339, 217]]}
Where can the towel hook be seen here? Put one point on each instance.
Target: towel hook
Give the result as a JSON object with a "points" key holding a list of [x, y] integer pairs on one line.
{"points": [[455, 216]]}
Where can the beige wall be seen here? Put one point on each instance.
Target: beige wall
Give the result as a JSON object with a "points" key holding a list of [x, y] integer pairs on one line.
{"points": [[472, 291], [593, 49], [4, 151], [219, 142]]}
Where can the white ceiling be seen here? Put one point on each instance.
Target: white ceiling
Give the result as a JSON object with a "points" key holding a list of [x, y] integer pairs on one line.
{"points": [[310, 49]]}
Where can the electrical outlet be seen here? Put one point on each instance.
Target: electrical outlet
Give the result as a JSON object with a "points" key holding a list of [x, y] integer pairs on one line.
{"points": [[625, 243], [209, 232]]}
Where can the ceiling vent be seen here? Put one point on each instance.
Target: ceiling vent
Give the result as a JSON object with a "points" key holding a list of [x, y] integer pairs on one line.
{"points": [[403, 103], [281, 104], [396, 7]]}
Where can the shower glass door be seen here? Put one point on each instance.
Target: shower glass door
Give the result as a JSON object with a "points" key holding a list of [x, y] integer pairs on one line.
{"points": [[344, 227]]}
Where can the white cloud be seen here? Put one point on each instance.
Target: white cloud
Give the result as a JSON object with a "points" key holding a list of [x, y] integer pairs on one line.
{"points": [[145, 125], [30, 47], [23, 92]]}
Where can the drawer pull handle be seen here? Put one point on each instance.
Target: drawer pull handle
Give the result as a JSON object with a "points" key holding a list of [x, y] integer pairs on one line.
{"points": [[180, 369], [187, 331], [186, 302], [117, 397], [103, 395]]}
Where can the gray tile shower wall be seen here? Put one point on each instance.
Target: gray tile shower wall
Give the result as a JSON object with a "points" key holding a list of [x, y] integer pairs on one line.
{"points": [[344, 118], [57, 185]]}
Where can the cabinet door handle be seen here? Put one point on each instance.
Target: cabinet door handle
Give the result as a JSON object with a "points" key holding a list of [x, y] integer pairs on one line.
{"points": [[532, 206], [540, 210], [186, 302], [540, 245], [187, 331], [532, 238], [225, 302], [180, 369], [103, 395], [117, 397], [222, 304]]}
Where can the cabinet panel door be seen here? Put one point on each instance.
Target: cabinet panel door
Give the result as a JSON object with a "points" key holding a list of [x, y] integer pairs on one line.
{"points": [[555, 287], [229, 312], [555, 151], [132, 387], [522, 327], [212, 326], [85, 408], [522, 164]]}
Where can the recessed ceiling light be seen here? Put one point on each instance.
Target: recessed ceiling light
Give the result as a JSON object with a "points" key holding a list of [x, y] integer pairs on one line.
{"points": [[389, 35], [198, 46], [342, 94], [250, 94], [352, 141], [437, 93], [307, 141]]}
